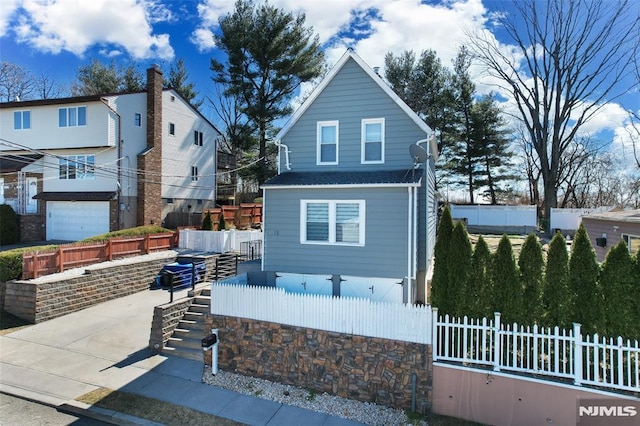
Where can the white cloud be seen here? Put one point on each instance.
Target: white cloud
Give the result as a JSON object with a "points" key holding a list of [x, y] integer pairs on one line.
{"points": [[6, 12], [52, 27], [203, 39]]}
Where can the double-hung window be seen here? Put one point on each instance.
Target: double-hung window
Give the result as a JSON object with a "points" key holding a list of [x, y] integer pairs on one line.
{"points": [[194, 173], [137, 119], [372, 151], [332, 222], [21, 120], [72, 116], [327, 142], [77, 167]]}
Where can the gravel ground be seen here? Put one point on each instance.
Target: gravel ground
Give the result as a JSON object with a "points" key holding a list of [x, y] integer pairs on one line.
{"points": [[363, 412]]}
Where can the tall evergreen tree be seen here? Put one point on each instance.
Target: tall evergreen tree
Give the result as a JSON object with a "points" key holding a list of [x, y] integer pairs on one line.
{"points": [[425, 85], [583, 283], [459, 266], [616, 280], [492, 144], [97, 78], [636, 290], [507, 291], [556, 295], [480, 281], [440, 279], [179, 81], [269, 54], [531, 265], [465, 151]]}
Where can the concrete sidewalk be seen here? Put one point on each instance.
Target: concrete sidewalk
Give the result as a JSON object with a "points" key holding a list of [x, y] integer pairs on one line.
{"points": [[106, 346]]}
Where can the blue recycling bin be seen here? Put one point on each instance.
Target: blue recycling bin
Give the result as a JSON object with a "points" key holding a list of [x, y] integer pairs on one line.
{"points": [[180, 274]]}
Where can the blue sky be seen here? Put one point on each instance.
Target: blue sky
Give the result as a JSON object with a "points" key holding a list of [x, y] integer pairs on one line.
{"points": [[55, 37]]}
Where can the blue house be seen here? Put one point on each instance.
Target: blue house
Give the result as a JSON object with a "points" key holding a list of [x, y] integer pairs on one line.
{"points": [[352, 211]]}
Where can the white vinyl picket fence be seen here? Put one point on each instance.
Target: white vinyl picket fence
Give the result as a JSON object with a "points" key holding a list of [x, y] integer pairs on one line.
{"points": [[591, 360], [217, 241], [361, 317]]}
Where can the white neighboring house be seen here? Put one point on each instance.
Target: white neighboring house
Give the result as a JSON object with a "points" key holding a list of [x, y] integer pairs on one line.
{"points": [[81, 166]]}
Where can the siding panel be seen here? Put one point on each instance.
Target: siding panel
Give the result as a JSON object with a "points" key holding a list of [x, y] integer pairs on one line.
{"points": [[350, 97], [385, 251]]}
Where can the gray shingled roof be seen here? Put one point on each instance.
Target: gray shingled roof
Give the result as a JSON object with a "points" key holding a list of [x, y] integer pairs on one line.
{"points": [[346, 178]]}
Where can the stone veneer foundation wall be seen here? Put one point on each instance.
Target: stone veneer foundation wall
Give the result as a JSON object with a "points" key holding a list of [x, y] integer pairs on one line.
{"points": [[44, 299], [356, 367]]}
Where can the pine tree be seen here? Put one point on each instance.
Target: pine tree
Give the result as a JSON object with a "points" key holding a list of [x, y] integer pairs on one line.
{"points": [[556, 294], [269, 54], [507, 291], [440, 280], [583, 283], [222, 225], [207, 223], [616, 281], [531, 265], [480, 281], [178, 80], [459, 266]]}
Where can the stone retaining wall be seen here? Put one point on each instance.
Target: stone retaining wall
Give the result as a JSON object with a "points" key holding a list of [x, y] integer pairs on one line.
{"points": [[357, 367], [167, 317], [43, 299]]}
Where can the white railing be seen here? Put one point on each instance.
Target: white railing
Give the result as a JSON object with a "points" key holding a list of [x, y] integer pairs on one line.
{"points": [[216, 241], [611, 363], [342, 315]]}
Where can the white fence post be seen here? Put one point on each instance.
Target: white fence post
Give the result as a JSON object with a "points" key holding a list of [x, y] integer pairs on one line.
{"points": [[577, 355], [434, 334], [497, 342]]}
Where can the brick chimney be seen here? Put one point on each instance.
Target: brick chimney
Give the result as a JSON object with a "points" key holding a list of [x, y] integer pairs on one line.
{"points": [[150, 160]]}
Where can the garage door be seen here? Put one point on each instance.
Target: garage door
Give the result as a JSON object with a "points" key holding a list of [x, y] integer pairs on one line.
{"points": [[76, 220], [375, 289], [305, 283]]}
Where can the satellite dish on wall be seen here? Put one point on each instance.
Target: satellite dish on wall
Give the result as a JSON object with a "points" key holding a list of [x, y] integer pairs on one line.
{"points": [[418, 154]]}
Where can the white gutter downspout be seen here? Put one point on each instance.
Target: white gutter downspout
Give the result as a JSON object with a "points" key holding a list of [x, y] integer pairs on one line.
{"points": [[415, 232], [119, 161], [409, 243], [286, 156]]}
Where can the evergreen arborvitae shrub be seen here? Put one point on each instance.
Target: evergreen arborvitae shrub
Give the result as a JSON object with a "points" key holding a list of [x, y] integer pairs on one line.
{"points": [[636, 290], [480, 281], [583, 283], [507, 291], [616, 281], [9, 227], [221, 223], [440, 279], [556, 295], [531, 265], [459, 259], [207, 223]]}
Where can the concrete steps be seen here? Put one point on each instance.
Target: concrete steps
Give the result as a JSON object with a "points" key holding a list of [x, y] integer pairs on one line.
{"points": [[187, 337]]}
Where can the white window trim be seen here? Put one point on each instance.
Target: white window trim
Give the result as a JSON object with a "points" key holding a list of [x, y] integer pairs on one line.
{"points": [[363, 141], [626, 238], [22, 111], [321, 124], [77, 108], [194, 174], [332, 222]]}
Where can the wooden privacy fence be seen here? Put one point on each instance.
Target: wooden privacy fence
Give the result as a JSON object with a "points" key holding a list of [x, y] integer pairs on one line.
{"points": [[82, 254], [244, 216], [591, 360], [410, 323]]}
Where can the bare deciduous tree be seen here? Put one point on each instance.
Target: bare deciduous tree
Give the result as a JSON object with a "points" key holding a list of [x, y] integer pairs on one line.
{"points": [[570, 57], [16, 82]]}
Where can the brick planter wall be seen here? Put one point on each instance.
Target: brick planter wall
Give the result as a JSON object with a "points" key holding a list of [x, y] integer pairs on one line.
{"points": [[43, 299], [356, 367]]}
